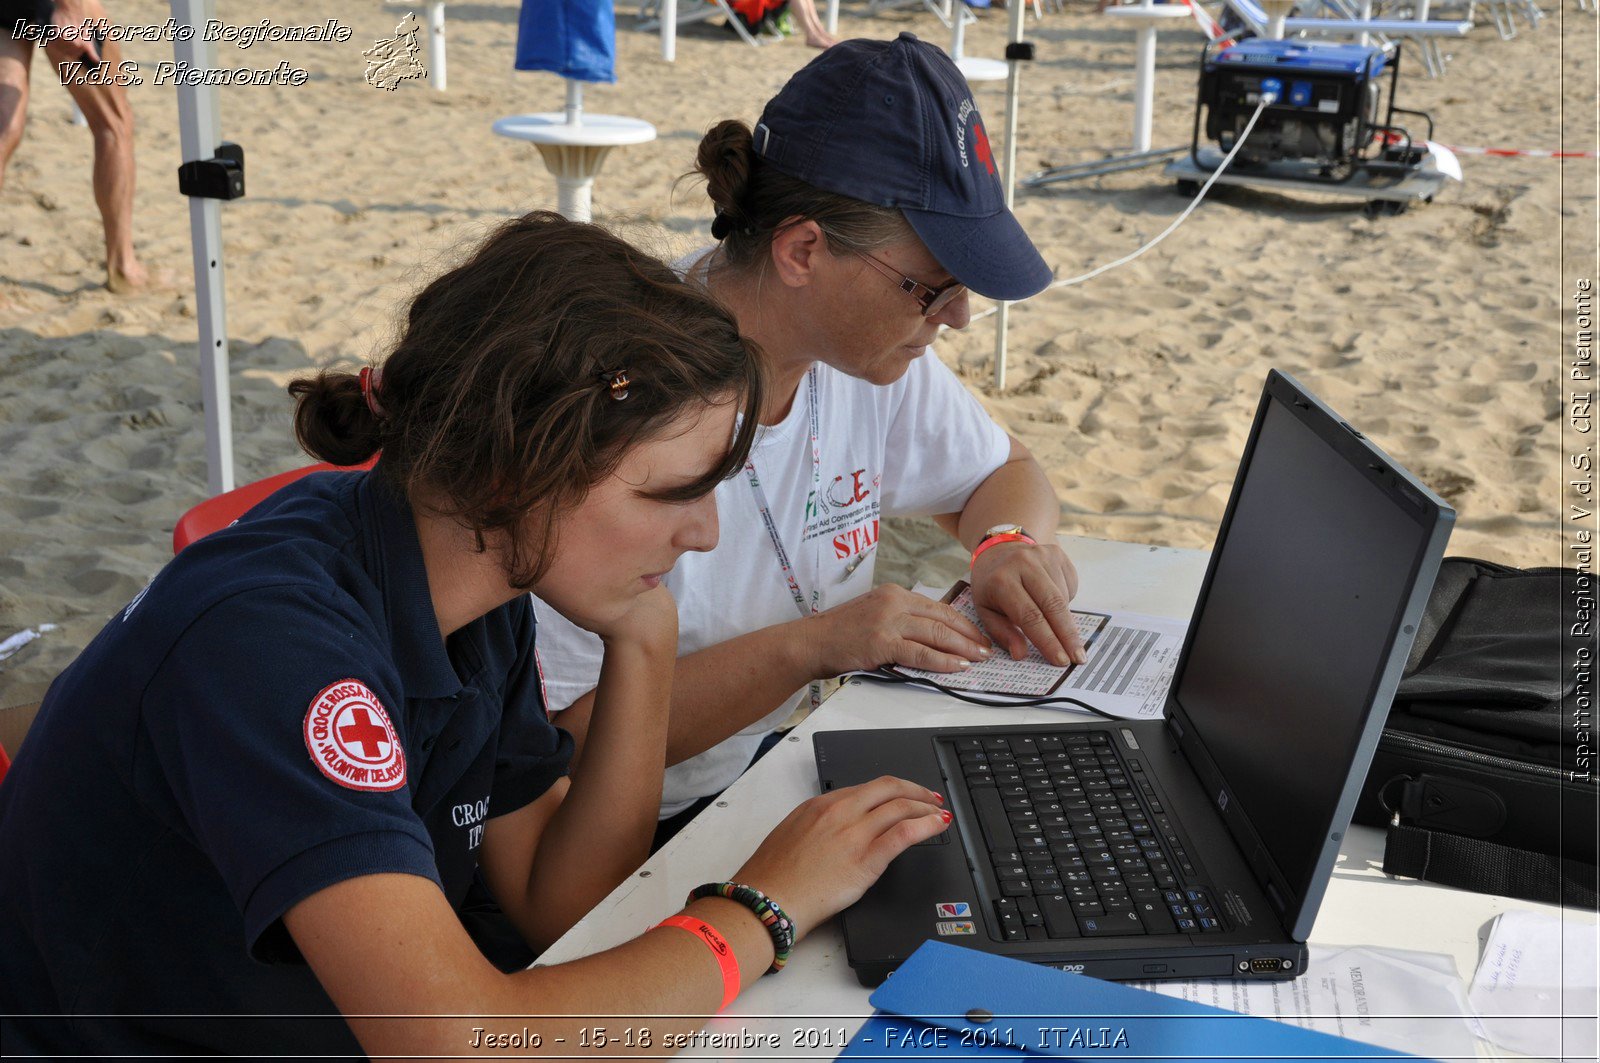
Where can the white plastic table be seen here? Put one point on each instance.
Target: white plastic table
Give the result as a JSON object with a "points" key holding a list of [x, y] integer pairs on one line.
{"points": [[1362, 905], [1147, 18], [575, 151]]}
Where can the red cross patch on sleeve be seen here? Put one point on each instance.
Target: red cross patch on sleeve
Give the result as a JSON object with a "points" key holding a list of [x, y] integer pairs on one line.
{"points": [[351, 740]]}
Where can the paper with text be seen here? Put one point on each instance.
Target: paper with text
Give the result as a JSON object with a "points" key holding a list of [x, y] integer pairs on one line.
{"points": [[1131, 658], [1535, 986], [1411, 1002]]}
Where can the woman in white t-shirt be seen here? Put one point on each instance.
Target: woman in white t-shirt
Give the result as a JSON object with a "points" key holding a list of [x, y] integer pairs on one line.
{"points": [[850, 224]]}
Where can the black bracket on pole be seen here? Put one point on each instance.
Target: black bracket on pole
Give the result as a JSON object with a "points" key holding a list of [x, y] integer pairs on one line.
{"points": [[1019, 52], [221, 177]]}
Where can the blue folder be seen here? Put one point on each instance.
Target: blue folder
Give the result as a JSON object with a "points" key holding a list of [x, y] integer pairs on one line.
{"points": [[956, 1002]]}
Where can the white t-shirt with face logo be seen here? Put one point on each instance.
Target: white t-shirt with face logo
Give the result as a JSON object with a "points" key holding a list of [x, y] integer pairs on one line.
{"points": [[917, 447]]}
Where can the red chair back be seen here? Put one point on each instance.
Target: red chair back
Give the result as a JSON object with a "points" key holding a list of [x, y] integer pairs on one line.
{"points": [[221, 511]]}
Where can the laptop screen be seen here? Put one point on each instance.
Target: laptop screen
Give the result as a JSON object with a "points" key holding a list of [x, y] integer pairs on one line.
{"points": [[1290, 638]]}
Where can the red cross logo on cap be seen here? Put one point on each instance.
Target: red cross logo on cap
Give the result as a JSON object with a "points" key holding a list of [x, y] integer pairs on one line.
{"points": [[351, 740], [980, 145]]}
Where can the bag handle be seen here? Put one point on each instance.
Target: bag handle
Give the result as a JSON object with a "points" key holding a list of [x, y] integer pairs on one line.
{"points": [[1487, 867]]}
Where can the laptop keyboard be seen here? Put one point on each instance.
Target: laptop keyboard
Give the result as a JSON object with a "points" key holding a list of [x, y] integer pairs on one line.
{"points": [[1079, 843]]}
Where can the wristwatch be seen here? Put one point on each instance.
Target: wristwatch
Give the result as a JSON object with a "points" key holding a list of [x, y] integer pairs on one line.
{"points": [[1001, 533], [1007, 529]]}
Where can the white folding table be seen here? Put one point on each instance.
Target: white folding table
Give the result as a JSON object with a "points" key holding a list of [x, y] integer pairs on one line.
{"points": [[1362, 906]]}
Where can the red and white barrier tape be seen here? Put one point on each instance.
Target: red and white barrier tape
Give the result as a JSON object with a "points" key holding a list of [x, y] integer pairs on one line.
{"points": [[1512, 153], [1504, 153], [1208, 25]]}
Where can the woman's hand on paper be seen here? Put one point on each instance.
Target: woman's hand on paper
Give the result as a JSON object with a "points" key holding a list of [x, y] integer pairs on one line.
{"points": [[891, 625], [822, 858], [1022, 592]]}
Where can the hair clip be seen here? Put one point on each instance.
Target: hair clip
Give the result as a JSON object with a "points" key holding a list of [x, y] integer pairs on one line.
{"points": [[617, 379], [721, 226]]}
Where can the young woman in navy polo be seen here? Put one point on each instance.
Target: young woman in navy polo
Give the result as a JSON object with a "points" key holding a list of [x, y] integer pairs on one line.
{"points": [[263, 798]]}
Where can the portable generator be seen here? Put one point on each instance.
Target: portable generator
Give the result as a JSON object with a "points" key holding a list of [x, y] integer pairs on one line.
{"points": [[1328, 117]]}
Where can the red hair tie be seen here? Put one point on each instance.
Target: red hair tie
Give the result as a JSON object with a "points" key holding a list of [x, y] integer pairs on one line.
{"points": [[369, 389]]}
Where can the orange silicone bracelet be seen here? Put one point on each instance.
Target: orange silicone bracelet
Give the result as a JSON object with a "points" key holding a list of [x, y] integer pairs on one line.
{"points": [[726, 960], [996, 540]]}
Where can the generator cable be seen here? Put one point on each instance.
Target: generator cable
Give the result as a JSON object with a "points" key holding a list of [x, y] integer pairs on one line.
{"points": [[1267, 98]]}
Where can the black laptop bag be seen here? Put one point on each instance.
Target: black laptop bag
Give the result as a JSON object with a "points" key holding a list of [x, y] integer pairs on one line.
{"points": [[1484, 775]]}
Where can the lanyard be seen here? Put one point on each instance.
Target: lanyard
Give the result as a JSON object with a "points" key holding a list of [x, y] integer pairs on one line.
{"points": [[785, 566]]}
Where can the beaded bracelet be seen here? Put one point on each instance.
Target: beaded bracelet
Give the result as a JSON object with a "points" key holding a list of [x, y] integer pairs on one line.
{"points": [[777, 922]]}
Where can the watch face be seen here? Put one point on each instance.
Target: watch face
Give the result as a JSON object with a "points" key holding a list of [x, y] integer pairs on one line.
{"points": [[1004, 529]]}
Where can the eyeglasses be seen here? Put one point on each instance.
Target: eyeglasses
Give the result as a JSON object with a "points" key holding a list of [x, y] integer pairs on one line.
{"points": [[933, 300]]}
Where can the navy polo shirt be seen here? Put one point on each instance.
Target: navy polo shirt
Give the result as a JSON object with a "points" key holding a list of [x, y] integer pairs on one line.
{"points": [[274, 714]]}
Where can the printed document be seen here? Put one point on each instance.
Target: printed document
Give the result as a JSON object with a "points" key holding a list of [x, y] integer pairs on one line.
{"points": [[1409, 1001], [1131, 658]]}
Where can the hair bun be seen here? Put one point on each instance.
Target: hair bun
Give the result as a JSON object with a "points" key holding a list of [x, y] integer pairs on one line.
{"points": [[333, 420], [726, 159]]}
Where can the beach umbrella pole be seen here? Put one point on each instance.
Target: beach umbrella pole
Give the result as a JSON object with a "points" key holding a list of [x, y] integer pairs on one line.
{"points": [[1009, 171], [574, 166], [436, 72], [669, 30], [1144, 84], [200, 129]]}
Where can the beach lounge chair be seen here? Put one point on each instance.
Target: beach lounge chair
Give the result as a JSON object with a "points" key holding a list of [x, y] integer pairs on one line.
{"points": [[221, 511], [690, 11], [1505, 12]]}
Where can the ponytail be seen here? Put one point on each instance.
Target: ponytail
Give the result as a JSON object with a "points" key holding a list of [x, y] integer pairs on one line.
{"points": [[333, 421]]}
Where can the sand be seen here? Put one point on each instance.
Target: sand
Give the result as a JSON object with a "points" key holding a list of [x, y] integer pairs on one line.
{"points": [[1438, 332]]}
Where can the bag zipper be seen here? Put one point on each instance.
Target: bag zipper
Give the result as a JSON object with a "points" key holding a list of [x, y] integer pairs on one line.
{"points": [[1482, 758]]}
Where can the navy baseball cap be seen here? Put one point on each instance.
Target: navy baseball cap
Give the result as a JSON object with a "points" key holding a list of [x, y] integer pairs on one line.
{"points": [[893, 123]]}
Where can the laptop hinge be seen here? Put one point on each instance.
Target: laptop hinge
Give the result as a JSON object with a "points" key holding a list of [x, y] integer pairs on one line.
{"points": [[1273, 897]]}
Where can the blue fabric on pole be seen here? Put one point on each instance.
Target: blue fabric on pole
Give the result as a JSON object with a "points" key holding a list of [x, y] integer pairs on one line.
{"points": [[574, 38]]}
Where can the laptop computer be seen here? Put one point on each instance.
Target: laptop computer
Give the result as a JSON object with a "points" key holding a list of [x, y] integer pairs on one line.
{"points": [[1198, 845]]}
